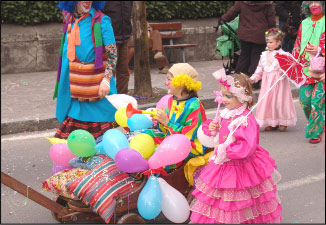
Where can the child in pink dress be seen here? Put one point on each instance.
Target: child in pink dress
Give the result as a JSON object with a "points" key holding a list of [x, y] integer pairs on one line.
{"points": [[238, 185], [276, 110]]}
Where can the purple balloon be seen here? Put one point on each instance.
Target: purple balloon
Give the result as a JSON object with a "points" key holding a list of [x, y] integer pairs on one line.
{"points": [[130, 161], [57, 168]]}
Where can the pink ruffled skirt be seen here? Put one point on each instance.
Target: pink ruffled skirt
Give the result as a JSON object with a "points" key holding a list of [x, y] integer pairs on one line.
{"points": [[238, 191]]}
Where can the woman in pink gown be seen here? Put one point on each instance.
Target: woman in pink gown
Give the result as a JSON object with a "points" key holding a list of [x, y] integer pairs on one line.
{"points": [[238, 185], [277, 108]]}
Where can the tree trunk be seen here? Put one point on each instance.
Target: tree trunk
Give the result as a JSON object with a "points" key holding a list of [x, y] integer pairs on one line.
{"points": [[143, 83]]}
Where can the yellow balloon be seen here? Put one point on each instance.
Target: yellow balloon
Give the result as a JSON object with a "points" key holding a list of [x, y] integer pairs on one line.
{"points": [[121, 117], [144, 144], [56, 140]]}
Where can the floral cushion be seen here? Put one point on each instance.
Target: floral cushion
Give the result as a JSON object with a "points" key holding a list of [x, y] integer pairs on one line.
{"points": [[99, 187], [57, 183]]}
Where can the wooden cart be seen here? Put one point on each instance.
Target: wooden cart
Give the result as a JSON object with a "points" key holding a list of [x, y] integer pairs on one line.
{"points": [[72, 211]]}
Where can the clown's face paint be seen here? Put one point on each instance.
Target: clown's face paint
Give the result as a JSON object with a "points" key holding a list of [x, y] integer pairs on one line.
{"points": [[315, 8], [84, 6]]}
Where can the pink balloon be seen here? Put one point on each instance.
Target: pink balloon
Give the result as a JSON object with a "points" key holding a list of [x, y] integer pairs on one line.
{"points": [[57, 168], [130, 161], [172, 150], [163, 102], [61, 154]]}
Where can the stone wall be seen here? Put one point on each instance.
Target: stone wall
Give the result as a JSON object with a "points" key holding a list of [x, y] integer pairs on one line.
{"points": [[36, 48]]}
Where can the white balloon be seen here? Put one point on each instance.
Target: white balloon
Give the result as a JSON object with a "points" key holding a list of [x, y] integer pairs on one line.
{"points": [[175, 206], [208, 141], [121, 100]]}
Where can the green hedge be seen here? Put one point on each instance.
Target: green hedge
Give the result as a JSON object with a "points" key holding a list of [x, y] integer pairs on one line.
{"points": [[30, 12], [37, 12], [164, 10]]}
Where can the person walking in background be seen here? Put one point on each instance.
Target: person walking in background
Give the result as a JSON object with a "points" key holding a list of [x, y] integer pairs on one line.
{"points": [[309, 43], [120, 14], [255, 18], [276, 110], [85, 72], [155, 43], [290, 17], [238, 185]]}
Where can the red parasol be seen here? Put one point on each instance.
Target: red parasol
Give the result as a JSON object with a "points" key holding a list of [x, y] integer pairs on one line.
{"points": [[295, 73]]}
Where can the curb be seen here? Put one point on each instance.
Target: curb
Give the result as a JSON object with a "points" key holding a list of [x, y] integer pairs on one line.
{"points": [[51, 123]]}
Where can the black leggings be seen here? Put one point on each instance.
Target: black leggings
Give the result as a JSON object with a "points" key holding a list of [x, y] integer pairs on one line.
{"points": [[249, 57]]}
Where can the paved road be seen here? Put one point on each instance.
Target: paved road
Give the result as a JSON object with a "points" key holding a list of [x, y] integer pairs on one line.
{"points": [[25, 156]]}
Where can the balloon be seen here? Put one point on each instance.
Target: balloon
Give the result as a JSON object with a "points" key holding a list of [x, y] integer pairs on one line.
{"points": [[121, 100], [82, 143], [173, 149], [57, 168], [130, 161], [163, 102], [175, 206], [113, 141], [144, 144], [139, 122], [208, 141], [120, 117], [149, 203], [60, 154], [100, 149]]}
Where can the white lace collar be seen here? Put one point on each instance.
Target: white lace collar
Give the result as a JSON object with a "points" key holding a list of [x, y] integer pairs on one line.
{"points": [[228, 113], [270, 66]]}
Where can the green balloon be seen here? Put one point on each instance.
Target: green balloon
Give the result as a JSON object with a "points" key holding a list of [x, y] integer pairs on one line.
{"points": [[81, 143]]}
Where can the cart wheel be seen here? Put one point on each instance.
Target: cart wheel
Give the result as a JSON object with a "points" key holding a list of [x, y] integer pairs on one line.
{"points": [[131, 218]]}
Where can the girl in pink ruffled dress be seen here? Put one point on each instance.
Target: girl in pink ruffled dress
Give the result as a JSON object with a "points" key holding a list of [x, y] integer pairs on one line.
{"points": [[238, 185], [276, 110]]}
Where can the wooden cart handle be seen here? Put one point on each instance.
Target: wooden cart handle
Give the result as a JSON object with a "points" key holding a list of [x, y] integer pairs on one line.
{"points": [[34, 195]]}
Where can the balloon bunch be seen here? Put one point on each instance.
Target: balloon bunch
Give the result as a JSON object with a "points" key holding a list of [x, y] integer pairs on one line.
{"points": [[79, 143], [156, 196], [140, 155]]}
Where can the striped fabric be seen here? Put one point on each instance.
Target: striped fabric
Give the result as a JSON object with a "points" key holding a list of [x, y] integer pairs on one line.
{"points": [[97, 129], [85, 81], [101, 186]]}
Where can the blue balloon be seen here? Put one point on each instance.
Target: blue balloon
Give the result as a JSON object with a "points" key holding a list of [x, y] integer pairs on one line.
{"points": [[139, 122], [100, 149], [149, 201], [113, 141]]}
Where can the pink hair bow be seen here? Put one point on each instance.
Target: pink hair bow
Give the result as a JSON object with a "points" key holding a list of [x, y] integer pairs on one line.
{"points": [[224, 83]]}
